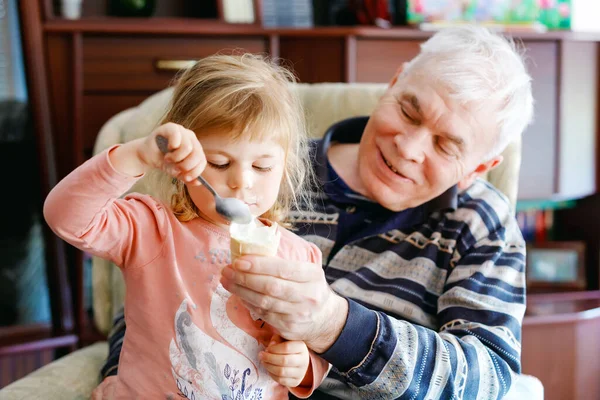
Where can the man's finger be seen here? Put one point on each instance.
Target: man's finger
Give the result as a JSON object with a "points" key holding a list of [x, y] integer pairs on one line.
{"points": [[274, 266], [294, 315], [265, 284], [262, 302]]}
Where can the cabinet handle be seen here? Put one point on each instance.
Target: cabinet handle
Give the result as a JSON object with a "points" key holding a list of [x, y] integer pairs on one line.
{"points": [[174, 65]]}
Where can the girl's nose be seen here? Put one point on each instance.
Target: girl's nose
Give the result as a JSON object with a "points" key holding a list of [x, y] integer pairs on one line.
{"points": [[241, 178]]}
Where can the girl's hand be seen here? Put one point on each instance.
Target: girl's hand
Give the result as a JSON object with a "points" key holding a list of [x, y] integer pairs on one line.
{"points": [[185, 159], [286, 362]]}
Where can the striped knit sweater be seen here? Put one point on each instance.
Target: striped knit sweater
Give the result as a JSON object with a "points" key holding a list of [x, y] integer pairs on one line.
{"points": [[436, 299]]}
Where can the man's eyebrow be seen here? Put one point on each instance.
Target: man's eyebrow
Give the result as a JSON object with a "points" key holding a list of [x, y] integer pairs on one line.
{"points": [[413, 100]]}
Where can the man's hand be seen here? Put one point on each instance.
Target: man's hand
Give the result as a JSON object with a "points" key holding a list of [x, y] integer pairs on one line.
{"points": [[293, 297], [286, 362]]}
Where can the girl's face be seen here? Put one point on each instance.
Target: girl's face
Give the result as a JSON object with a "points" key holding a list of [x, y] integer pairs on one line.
{"points": [[251, 171]]}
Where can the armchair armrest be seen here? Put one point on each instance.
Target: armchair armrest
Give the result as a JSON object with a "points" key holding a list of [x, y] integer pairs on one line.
{"points": [[72, 377]]}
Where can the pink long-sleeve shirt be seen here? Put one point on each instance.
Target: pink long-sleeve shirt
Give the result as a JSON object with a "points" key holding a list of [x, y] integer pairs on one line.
{"points": [[186, 335]]}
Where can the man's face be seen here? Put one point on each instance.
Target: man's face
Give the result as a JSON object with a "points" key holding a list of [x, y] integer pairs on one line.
{"points": [[418, 143]]}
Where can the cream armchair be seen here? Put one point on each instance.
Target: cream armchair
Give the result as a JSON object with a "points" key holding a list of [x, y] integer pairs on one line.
{"points": [[75, 375]]}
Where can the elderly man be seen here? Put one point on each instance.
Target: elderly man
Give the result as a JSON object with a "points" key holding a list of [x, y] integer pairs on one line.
{"points": [[421, 294]]}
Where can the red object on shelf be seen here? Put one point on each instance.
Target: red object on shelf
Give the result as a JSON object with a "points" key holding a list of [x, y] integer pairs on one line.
{"points": [[540, 227], [372, 12]]}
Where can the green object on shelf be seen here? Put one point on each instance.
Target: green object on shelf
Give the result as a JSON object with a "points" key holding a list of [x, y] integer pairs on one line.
{"points": [[553, 14], [524, 205], [131, 8]]}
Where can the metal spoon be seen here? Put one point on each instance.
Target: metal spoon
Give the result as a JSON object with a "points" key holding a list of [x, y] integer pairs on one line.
{"points": [[231, 209]]}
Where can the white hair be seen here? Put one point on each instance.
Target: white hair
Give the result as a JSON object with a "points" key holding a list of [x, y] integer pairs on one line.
{"points": [[480, 69]]}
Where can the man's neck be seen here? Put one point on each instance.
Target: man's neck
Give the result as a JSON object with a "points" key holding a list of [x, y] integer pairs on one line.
{"points": [[343, 157]]}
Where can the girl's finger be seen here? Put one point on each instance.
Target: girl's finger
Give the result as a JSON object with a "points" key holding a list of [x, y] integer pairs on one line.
{"points": [[285, 372], [289, 347], [282, 360], [190, 166], [179, 154], [288, 382], [171, 132]]}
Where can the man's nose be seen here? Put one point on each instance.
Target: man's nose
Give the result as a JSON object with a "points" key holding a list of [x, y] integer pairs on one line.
{"points": [[412, 146], [240, 178]]}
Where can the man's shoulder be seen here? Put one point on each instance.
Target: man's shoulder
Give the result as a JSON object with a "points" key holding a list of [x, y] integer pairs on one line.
{"points": [[486, 211]]}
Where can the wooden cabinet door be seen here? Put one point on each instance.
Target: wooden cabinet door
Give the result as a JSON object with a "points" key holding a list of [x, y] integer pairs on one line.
{"points": [[378, 59], [537, 178]]}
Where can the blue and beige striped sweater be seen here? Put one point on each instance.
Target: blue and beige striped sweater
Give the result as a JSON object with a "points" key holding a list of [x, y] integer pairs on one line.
{"points": [[436, 294]]}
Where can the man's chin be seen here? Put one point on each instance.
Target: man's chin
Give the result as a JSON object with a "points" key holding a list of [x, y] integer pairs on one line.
{"points": [[390, 200]]}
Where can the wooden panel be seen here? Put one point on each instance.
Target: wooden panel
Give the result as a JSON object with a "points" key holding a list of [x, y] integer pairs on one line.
{"points": [[538, 165], [378, 60], [14, 367], [98, 108], [129, 63], [588, 365], [314, 59], [548, 355], [560, 338], [577, 128], [60, 66]]}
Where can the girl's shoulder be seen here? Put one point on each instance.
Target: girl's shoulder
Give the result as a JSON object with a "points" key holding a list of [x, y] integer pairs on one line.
{"points": [[294, 247]]}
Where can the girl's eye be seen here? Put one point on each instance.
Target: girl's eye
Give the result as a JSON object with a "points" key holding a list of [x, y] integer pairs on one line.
{"points": [[218, 166], [263, 169]]}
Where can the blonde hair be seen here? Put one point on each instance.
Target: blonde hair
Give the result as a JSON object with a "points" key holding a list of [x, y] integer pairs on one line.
{"points": [[247, 96]]}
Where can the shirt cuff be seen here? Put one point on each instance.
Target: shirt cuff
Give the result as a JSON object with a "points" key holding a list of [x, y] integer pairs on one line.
{"points": [[356, 339], [320, 370]]}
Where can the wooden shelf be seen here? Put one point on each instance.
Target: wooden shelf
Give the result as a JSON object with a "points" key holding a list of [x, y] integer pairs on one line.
{"points": [[178, 26], [565, 307]]}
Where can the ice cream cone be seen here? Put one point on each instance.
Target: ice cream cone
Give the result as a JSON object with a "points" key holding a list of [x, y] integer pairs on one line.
{"points": [[254, 238]]}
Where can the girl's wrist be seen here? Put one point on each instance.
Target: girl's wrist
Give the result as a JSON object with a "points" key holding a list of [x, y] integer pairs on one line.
{"points": [[126, 159]]}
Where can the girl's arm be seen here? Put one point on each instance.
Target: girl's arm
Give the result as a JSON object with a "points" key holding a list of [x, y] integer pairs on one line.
{"points": [[85, 210]]}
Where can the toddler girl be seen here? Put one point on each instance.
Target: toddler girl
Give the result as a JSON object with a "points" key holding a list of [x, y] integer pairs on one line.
{"points": [[234, 120]]}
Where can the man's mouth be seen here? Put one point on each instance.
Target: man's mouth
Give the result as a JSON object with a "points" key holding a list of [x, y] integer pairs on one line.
{"points": [[394, 170], [390, 166]]}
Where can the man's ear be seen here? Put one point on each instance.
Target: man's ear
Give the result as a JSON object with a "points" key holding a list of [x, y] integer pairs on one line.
{"points": [[481, 169], [397, 75]]}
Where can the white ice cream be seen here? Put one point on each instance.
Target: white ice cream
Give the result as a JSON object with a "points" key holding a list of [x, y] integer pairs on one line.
{"points": [[253, 238]]}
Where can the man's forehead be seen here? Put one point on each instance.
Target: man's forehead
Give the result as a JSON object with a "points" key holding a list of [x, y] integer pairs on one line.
{"points": [[461, 121]]}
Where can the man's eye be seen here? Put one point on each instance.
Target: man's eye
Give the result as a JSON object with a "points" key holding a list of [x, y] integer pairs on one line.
{"points": [[262, 169], [218, 166], [444, 148], [407, 115]]}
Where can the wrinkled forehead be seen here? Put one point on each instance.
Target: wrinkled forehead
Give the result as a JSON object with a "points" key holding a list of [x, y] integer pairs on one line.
{"points": [[472, 121]]}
